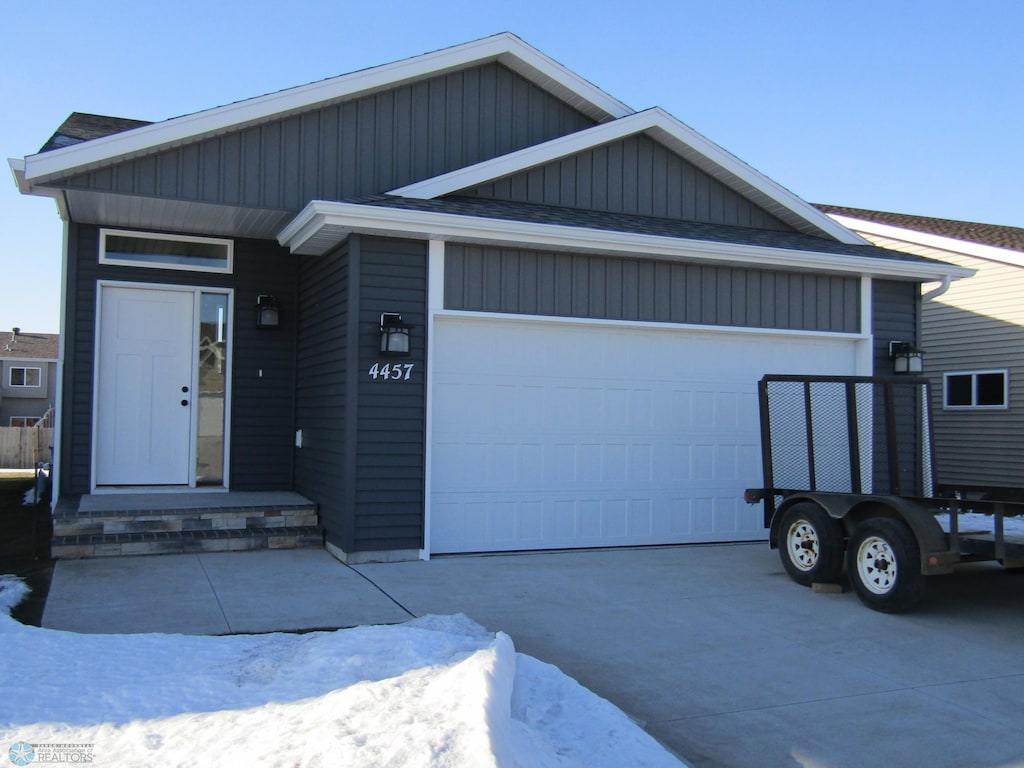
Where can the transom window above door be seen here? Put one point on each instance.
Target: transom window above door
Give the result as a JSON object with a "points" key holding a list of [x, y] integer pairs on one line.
{"points": [[143, 249]]}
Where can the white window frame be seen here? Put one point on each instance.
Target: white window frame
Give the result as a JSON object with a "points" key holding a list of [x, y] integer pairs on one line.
{"points": [[34, 419], [974, 406], [229, 246], [26, 369]]}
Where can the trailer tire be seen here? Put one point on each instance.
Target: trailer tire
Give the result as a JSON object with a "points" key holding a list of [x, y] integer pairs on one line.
{"points": [[884, 565], [810, 544]]}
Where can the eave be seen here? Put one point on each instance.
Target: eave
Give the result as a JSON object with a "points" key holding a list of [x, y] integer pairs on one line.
{"points": [[323, 225]]}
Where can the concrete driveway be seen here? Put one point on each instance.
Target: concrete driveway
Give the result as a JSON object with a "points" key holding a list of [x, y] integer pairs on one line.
{"points": [[712, 648]]}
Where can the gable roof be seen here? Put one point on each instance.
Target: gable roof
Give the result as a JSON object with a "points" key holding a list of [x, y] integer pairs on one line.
{"points": [[19, 345], [666, 129], [504, 48], [990, 241]]}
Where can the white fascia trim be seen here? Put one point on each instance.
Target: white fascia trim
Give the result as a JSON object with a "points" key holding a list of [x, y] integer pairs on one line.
{"points": [[506, 48], [17, 167], [368, 219], [663, 127], [940, 242]]}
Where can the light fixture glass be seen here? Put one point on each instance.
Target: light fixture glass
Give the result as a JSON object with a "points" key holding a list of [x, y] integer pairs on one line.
{"points": [[905, 358], [267, 313], [394, 334]]}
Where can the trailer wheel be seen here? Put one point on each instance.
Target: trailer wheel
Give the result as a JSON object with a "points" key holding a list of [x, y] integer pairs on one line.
{"points": [[810, 544], [884, 563]]}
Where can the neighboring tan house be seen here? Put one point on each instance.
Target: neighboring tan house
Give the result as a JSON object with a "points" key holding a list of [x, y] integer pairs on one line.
{"points": [[972, 338], [463, 302], [28, 380]]}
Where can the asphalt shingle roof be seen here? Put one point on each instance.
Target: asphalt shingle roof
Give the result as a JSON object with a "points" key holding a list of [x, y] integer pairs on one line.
{"points": [[28, 346], [82, 126], [633, 224], [995, 235]]}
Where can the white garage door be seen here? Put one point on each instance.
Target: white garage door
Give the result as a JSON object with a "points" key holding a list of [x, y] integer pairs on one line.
{"points": [[559, 435]]}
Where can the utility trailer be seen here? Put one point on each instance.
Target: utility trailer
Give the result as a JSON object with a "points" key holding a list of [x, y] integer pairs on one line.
{"points": [[851, 480]]}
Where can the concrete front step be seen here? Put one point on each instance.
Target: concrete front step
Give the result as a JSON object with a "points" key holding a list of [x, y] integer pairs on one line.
{"points": [[160, 523]]}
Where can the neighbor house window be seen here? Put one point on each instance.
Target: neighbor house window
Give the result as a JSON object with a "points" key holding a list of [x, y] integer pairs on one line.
{"points": [[975, 389], [141, 249], [26, 377], [24, 421]]}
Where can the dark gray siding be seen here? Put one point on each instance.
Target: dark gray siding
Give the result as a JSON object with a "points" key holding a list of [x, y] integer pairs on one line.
{"points": [[320, 383], [390, 430], [896, 317], [362, 458], [518, 281], [358, 147], [636, 175], [262, 407]]}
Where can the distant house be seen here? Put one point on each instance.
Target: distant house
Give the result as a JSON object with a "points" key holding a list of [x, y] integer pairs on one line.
{"points": [[28, 378], [463, 302], [972, 334]]}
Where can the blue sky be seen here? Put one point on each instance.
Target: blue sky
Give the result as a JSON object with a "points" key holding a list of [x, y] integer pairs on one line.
{"points": [[913, 106]]}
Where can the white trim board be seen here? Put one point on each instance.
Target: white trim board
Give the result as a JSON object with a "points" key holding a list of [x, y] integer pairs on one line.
{"points": [[321, 225], [668, 130], [505, 48]]}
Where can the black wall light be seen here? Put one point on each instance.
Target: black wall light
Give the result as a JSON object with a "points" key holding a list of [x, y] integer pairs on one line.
{"points": [[905, 358], [394, 334], [267, 313]]}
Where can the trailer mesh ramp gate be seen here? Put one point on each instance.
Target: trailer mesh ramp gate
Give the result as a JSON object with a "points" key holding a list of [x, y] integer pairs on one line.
{"points": [[845, 435]]}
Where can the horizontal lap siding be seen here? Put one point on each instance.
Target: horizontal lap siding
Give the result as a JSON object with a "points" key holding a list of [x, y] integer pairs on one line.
{"points": [[636, 175], [320, 383], [519, 281], [362, 146], [261, 423], [390, 433], [976, 325]]}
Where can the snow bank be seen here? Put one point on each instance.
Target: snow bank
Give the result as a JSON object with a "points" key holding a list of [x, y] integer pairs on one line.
{"points": [[436, 691]]}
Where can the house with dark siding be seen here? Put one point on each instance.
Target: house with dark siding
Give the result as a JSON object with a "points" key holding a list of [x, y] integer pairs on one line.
{"points": [[584, 297]]}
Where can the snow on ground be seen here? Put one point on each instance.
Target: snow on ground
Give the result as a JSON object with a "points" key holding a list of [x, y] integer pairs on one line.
{"points": [[435, 691], [1013, 527]]}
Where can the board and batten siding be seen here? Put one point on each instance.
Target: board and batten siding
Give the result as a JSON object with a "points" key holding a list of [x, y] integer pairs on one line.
{"points": [[519, 281], [262, 406], [635, 175], [361, 146], [978, 324]]}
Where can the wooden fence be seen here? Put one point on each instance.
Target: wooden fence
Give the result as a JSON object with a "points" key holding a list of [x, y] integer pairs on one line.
{"points": [[22, 447]]}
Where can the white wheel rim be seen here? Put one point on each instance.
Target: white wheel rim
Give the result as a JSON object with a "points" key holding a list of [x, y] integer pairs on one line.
{"points": [[803, 545], [876, 565]]}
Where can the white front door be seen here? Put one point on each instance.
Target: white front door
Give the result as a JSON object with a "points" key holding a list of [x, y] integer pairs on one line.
{"points": [[144, 383]]}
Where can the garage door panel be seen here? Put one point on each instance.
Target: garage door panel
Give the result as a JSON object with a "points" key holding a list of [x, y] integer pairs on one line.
{"points": [[553, 435]]}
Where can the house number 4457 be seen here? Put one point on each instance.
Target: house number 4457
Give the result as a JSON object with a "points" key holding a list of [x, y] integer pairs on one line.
{"points": [[391, 372]]}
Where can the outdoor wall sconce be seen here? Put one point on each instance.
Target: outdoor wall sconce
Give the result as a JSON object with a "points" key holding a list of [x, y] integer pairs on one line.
{"points": [[394, 334], [267, 314], [905, 359]]}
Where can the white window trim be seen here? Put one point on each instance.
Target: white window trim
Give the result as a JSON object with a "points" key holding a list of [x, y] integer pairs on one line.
{"points": [[229, 246], [26, 368], [974, 393], [34, 419]]}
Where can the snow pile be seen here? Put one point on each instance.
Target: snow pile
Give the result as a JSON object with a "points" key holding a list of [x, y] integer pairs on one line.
{"points": [[436, 691]]}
